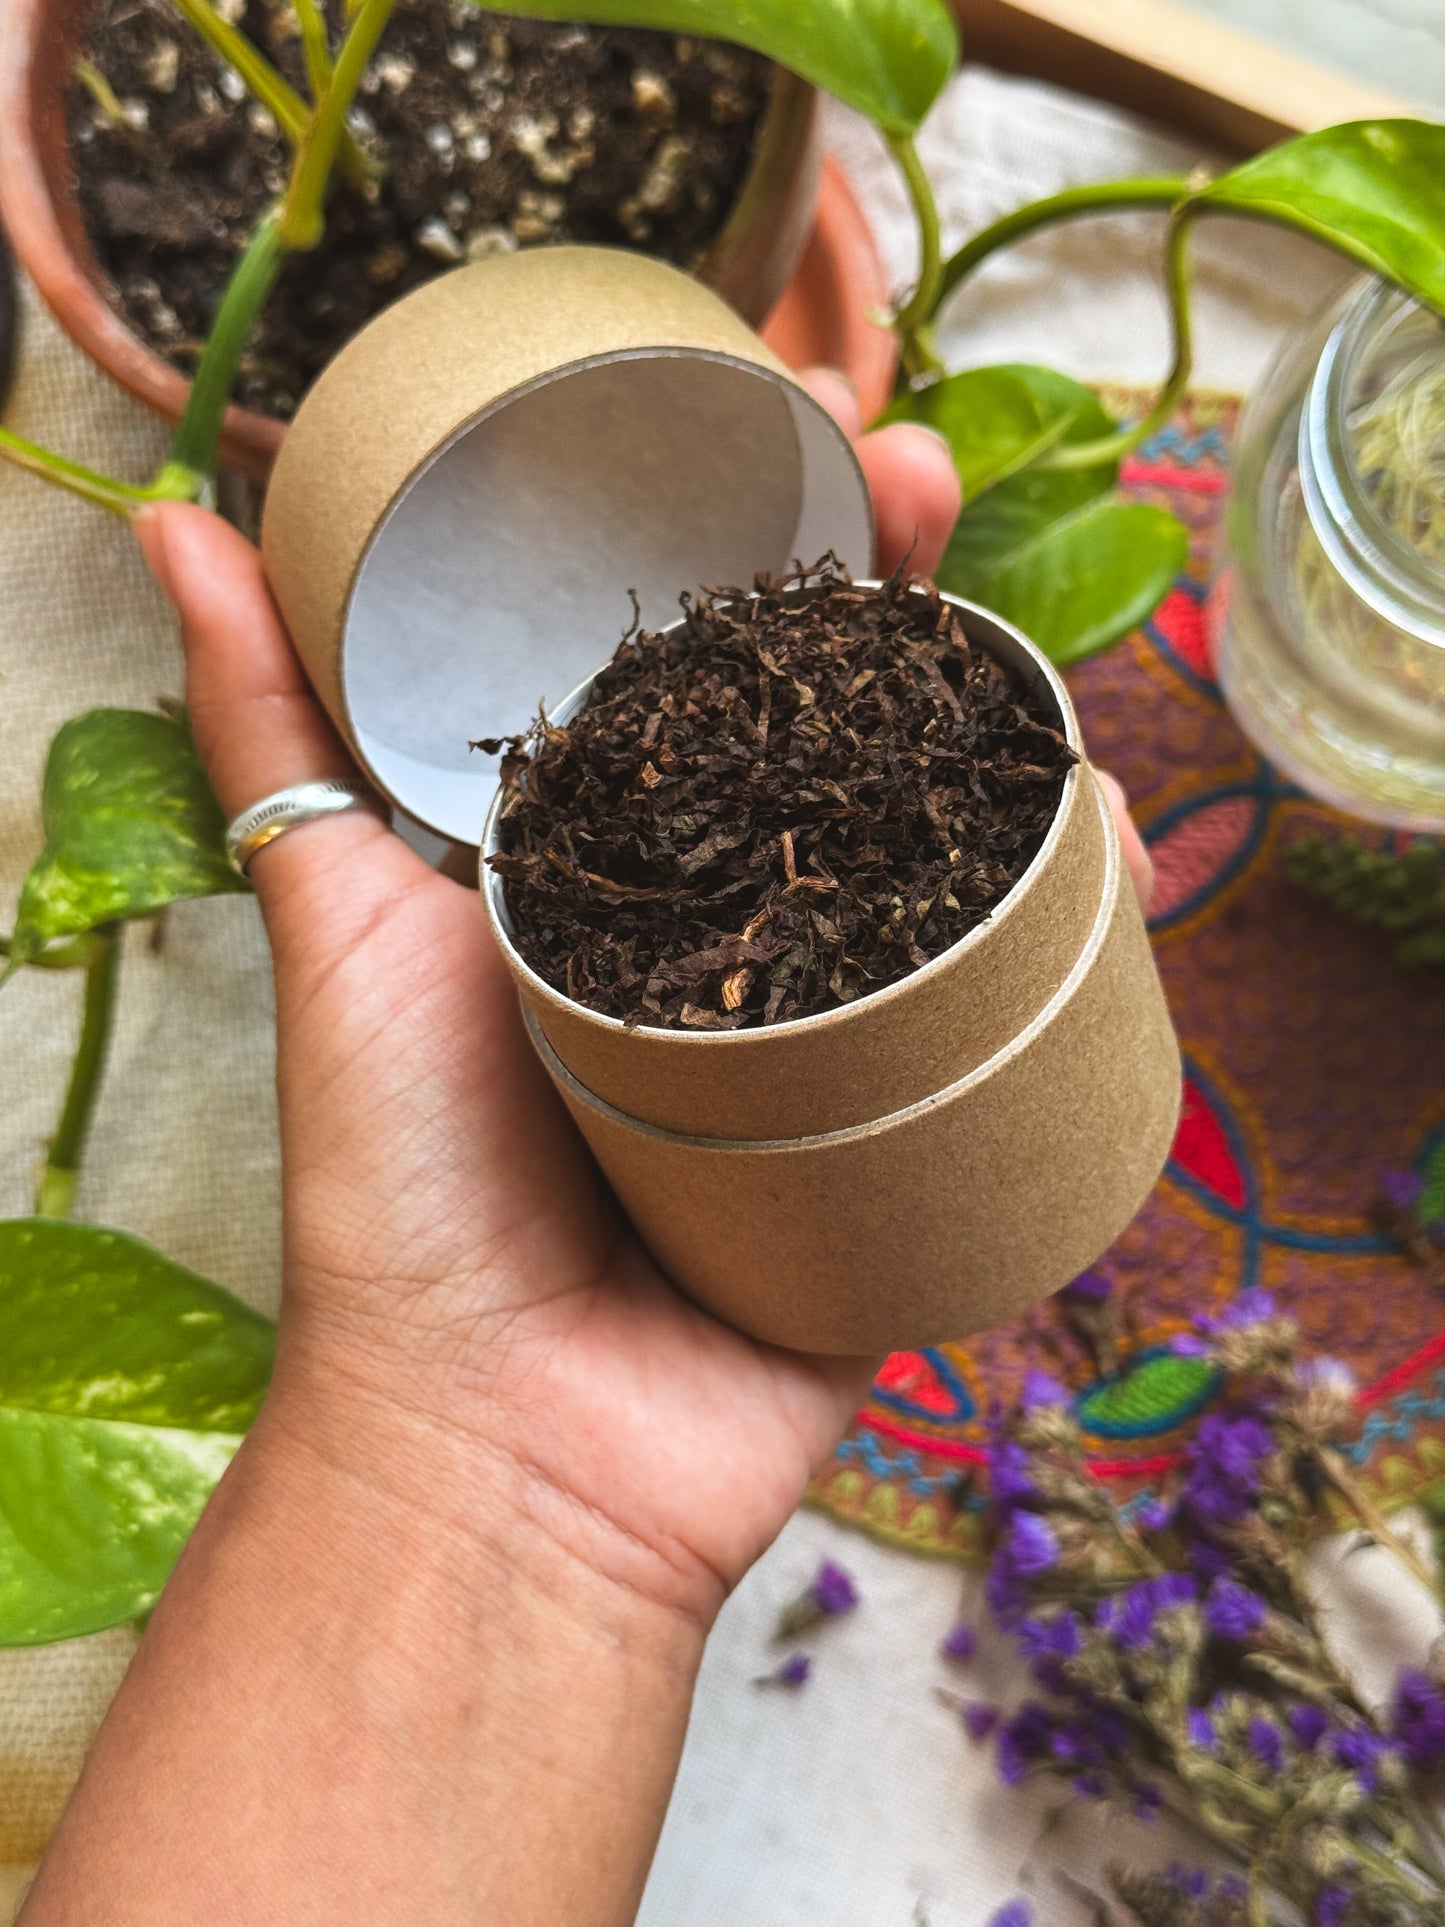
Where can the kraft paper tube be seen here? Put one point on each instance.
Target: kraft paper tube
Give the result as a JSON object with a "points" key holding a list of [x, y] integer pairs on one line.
{"points": [[948, 1217], [459, 510], [473, 486], [926, 1162], [885, 1051]]}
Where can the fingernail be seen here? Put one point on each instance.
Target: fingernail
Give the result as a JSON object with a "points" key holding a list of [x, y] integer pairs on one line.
{"points": [[150, 531], [841, 374], [926, 428], [1111, 782]]}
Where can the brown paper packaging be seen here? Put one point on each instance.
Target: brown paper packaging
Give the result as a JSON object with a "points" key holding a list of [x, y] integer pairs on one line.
{"points": [[925, 1162], [458, 512]]}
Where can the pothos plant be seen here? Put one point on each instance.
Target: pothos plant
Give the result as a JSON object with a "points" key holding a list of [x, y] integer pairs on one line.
{"points": [[126, 1381]]}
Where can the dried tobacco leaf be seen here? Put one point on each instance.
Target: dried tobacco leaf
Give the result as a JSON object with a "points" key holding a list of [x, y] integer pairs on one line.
{"points": [[796, 797]]}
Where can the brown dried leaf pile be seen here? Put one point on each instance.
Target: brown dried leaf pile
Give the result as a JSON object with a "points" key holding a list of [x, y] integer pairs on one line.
{"points": [[793, 799]]}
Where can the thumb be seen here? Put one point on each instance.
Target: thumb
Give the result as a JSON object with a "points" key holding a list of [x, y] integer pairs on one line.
{"points": [[258, 728]]}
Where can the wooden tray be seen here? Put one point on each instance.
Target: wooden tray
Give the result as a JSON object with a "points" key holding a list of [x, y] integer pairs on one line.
{"points": [[1175, 66]]}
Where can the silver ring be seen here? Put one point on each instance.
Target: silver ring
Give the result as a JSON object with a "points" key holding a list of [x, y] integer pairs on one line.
{"points": [[287, 809]]}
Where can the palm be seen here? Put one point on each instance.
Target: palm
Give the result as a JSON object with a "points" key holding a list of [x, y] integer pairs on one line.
{"points": [[441, 1205], [448, 1239]]}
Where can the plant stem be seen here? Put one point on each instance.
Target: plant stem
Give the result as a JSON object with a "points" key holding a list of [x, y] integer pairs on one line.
{"points": [[104, 490], [102, 93], [1111, 448], [919, 355], [1373, 1520], [272, 89], [73, 953], [55, 1193], [1106, 197], [194, 447], [315, 46], [192, 460], [303, 212]]}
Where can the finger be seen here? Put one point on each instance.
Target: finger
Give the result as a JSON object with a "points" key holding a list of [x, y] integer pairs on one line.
{"points": [[916, 495], [833, 391], [257, 725], [910, 474], [1136, 857]]}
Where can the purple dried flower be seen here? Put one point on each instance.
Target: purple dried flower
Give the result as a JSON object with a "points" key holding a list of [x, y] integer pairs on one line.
{"points": [[1401, 1190], [1249, 1308], [979, 1720], [1188, 1345], [961, 1643], [1360, 1750], [1233, 1886], [1093, 1786], [1192, 1882], [1009, 1474], [794, 1671], [1024, 1740], [1004, 1593], [1056, 1638], [1148, 1801], [1089, 1288], [1418, 1717], [1155, 1515], [1042, 1388], [1030, 1546], [1174, 1589], [1266, 1744], [1110, 1730], [1018, 1913], [1128, 1617], [1200, 1729], [1206, 1559], [1224, 1461], [1308, 1724], [1332, 1906], [1232, 1611], [833, 1590]]}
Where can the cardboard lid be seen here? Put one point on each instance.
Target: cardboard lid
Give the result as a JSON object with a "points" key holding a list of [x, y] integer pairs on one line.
{"points": [[479, 479]]}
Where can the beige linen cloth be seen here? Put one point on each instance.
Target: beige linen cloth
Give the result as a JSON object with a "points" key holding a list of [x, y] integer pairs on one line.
{"points": [[857, 1802]]}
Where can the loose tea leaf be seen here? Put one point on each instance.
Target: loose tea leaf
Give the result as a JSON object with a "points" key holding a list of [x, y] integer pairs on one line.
{"points": [[792, 799]]}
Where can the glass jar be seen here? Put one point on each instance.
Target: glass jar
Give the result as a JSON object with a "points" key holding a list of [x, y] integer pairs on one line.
{"points": [[1329, 619]]}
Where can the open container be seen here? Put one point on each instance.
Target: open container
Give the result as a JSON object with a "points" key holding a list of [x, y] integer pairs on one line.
{"points": [[459, 512]]}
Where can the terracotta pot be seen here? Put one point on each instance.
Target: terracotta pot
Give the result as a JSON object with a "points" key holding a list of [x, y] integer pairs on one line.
{"points": [[826, 317], [751, 262]]}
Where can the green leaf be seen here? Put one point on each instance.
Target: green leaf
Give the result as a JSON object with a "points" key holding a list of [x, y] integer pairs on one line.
{"points": [[1013, 511], [125, 1384], [98, 1323], [1084, 581], [887, 58], [994, 419], [1371, 188], [130, 826], [92, 1519]]}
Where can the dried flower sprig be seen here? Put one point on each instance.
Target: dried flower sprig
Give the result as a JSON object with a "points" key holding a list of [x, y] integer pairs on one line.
{"points": [[831, 1593], [1180, 1655]]}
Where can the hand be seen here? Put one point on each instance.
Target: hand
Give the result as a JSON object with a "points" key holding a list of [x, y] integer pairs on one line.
{"points": [[429, 1653], [452, 1259]]}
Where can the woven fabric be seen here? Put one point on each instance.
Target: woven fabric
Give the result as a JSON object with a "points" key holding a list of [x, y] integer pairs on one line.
{"points": [[183, 1147], [1312, 1063]]}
